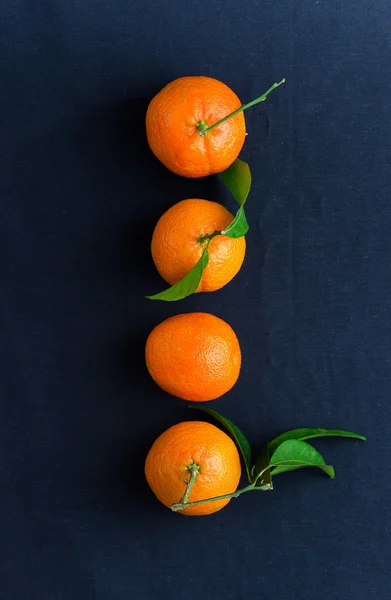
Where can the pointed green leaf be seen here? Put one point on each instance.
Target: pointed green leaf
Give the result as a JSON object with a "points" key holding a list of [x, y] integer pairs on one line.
{"points": [[187, 285], [237, 179], [239, 226], [238, 437], [306, 433], [295, 454], [261, 464]]}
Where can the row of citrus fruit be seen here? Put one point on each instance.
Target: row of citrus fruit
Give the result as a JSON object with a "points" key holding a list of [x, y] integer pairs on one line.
{"points": [[195, 126]]}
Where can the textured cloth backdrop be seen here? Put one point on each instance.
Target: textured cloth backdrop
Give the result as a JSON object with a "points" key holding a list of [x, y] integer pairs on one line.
{"points": [[80, 194]]}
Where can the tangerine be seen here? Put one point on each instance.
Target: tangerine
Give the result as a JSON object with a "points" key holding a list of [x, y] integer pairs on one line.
{"points": [[187, 446], [179, 238], [194, 356], [177, 118]]}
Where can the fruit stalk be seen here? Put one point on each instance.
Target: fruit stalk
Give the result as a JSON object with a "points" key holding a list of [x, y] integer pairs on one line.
{"points": [[252, 487], [193, 470], [208, 237], [203, 130]]}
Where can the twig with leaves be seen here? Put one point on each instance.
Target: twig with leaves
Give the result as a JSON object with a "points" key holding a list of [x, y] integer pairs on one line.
{"points": [[287, 452]]}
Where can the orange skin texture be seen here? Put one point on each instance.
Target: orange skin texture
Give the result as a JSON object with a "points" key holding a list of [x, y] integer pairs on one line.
{"points": [[179, 447], [193, 356], [175, 247], [171, 124]]}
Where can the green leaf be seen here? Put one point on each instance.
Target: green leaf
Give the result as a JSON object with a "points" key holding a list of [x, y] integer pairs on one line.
{"points": [[261, 464], [306, 433], [295, 454], [238, 437], [237, 178], [283, 469], [239, 226], [188, 284]]}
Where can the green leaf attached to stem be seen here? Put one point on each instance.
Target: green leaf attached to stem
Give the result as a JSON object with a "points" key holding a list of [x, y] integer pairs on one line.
{"points": [[238, 437], [306, 433], [239, 226], [295, 454], [188, 284]]}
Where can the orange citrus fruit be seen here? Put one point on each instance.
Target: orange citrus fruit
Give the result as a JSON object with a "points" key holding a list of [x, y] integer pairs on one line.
{"points": [[194, 356], [177, 116], [183, 446], [177, 243]]}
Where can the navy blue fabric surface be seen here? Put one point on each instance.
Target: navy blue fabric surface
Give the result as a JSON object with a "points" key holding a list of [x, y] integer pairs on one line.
{"points": [[80, 195]]}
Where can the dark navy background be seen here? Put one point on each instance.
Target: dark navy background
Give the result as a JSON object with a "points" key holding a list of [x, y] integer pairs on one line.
{"points": [[80, 194]]}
